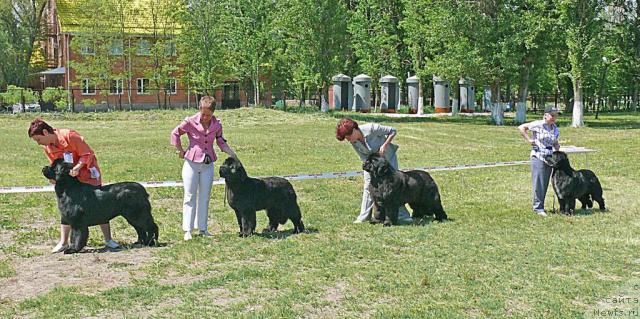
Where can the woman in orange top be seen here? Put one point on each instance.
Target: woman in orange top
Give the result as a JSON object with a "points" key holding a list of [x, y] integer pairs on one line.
{"points": [[70, 146]]}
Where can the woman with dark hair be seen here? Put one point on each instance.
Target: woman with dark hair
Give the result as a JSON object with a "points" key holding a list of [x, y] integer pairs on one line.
{"points": [[70, 146], [367, 139], [202, 129]]}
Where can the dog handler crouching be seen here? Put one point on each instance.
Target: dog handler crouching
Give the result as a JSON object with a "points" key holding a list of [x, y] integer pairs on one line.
{"points": [[366, 139], [70, 146], [202, 129], [543, 143]]}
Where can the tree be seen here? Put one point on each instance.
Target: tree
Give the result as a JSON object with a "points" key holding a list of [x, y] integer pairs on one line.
{"points": [[162, 65], [203, 53], [315, 41], [20, 26], [377, 39], [251, 39], [531, 25], [94, 42], [625, 23], [583, 26]]}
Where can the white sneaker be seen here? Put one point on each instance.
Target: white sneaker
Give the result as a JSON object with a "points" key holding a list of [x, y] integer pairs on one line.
{"points": [[58, 248], [205, 233], [111, 244], [187, 235], [541, 213], [357, 221]]}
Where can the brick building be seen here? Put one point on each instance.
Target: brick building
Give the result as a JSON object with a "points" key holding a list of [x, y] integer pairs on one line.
{"points": [[110, 63]]}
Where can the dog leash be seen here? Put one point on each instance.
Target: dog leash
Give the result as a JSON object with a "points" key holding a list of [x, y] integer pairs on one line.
{"points": [[554, 189], [224, 199]]}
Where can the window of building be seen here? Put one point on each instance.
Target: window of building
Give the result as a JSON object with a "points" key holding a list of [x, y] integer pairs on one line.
{"points": [[88, 87], [144, 47], [143, 86], [87, 48], [170, 49], [171, 86], [231, 91], [116, 87], [116, 47]]}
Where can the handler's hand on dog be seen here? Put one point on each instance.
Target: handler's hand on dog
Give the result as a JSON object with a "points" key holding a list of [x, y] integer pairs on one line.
{"points": [[74, 171], [382, 149]]}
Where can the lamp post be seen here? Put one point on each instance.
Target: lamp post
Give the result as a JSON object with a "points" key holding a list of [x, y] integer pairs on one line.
{"points": [[606, 64]]}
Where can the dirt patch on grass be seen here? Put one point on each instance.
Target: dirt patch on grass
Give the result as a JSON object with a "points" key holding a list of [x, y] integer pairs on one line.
{"points": [[223, 298], [332, 297], [91, 271]]}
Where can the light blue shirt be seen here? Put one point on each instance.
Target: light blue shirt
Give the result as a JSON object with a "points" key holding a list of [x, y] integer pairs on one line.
{"points": [[374, 136]]}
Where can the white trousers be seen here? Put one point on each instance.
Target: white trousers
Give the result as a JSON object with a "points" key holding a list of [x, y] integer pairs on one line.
{"points": [[198, 180]]}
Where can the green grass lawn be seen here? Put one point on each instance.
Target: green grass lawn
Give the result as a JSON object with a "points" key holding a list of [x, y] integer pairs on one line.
{"points": [[494, 259]]}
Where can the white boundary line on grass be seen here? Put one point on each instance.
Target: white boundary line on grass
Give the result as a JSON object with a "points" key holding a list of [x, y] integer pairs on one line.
{"points": [[294, 177]]}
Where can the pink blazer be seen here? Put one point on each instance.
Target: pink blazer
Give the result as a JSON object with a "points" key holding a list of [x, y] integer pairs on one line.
{"points": [[200, 138]]}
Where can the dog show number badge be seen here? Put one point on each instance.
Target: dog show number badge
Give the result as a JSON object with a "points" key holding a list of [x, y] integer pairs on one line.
{"points": [[68, 157]]}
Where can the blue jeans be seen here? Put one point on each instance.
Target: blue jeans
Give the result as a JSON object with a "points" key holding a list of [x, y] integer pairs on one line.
{"points": [[540, 175]]}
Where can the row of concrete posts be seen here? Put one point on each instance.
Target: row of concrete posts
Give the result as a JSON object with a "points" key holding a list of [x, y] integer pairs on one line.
{"points": [[356, 95]]}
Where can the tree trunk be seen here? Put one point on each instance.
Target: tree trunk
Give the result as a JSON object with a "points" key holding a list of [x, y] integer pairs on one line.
{"points": [[578, 104], [301, 102], [568, 96], [256, 87], [496, 110], [521, 108], [420, 98], [129, 76], [324, 106], [455, 107], [158, 95], [634, 97]]}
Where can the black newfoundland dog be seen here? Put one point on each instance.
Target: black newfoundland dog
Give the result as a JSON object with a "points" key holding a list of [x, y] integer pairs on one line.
{"points": [[570, 184], [247, 195], [82, 205], [391, 189]]}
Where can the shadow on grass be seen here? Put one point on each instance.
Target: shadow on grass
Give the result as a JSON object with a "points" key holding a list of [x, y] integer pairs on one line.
{"points": [[284, 234], [580, 212], [617, 124], [122, 247], [420, 222]]}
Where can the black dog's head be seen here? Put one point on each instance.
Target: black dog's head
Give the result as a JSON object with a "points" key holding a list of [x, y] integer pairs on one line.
{"points": [[377, 165], [558, 160], [58, 171], [231, 170]]}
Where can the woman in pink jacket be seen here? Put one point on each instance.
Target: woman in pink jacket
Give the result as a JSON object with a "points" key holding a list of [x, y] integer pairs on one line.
{"points": [[202, 129]]}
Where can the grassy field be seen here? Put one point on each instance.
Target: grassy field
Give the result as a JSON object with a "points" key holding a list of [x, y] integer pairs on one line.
{"points": [[495, 259]]}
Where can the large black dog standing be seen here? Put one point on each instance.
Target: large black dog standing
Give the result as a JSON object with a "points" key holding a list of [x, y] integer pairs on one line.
{"points": [[82, 205], [570, 184], [247, 195], [391, 189]]}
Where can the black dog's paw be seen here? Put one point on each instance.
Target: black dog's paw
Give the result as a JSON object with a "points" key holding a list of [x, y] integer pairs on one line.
{"points": [[270, 229], [69, 251], [387, 224]]}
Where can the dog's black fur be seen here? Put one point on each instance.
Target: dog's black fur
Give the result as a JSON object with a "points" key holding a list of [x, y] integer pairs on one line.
{"points": [[247, 195], [391, 189], [82, 205], [570, 184]]}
